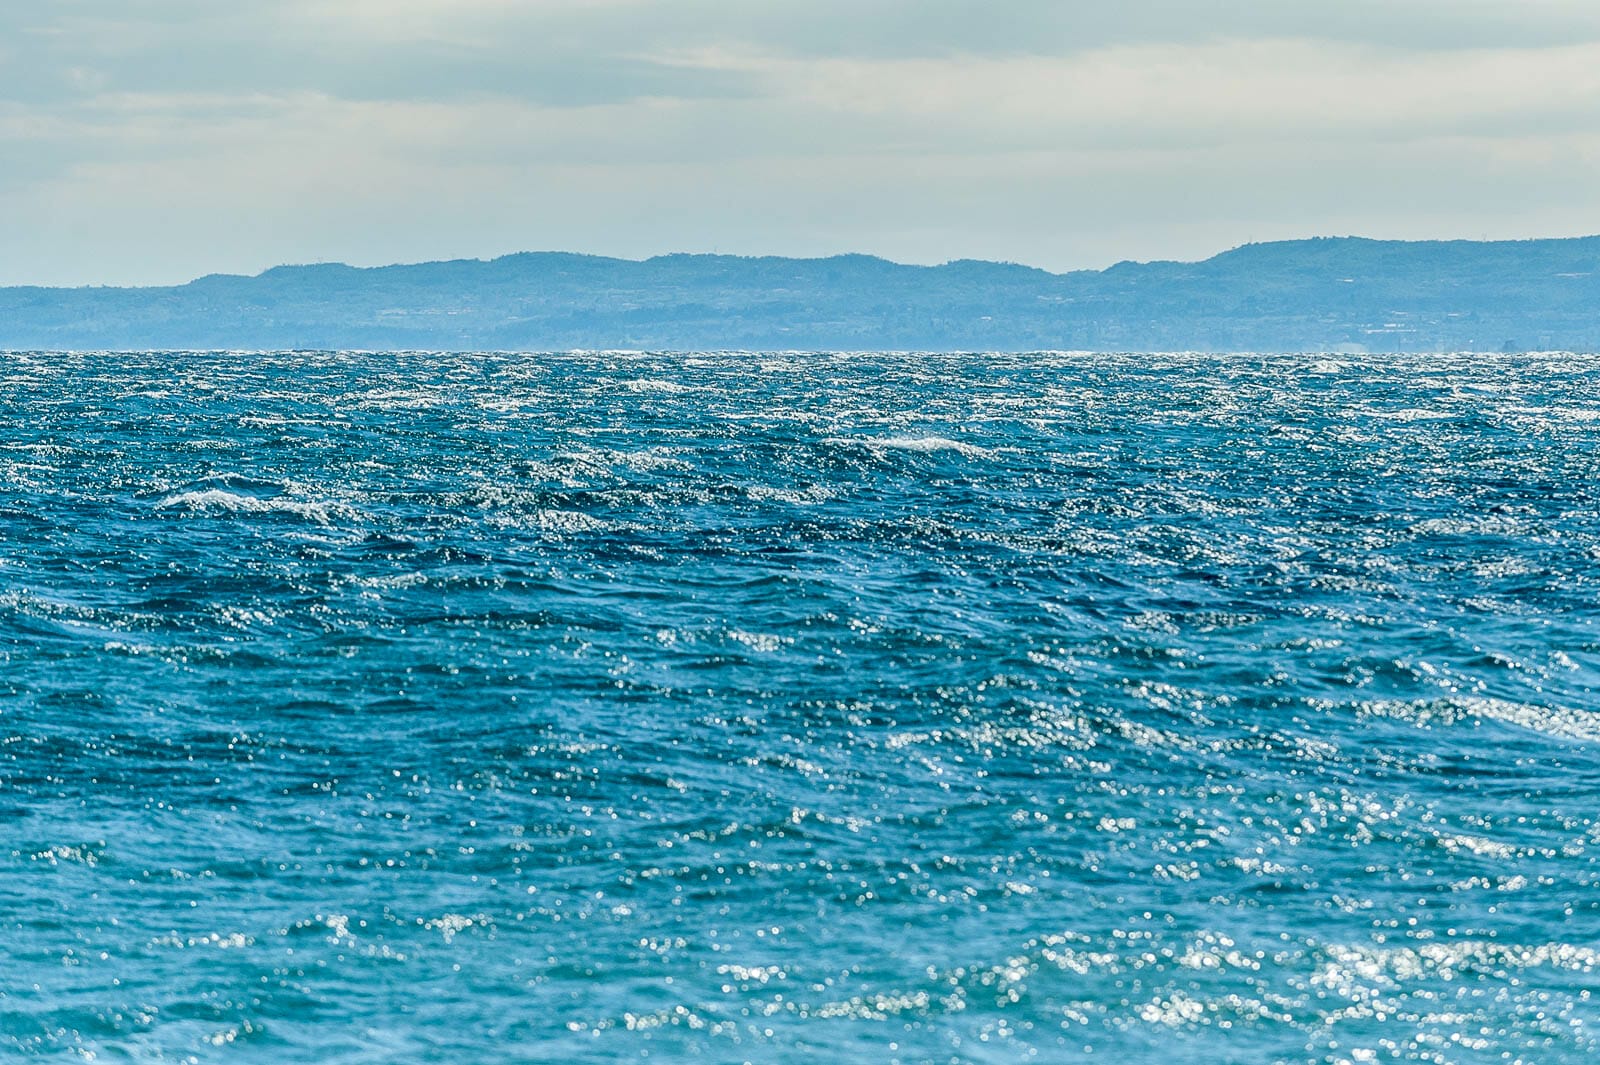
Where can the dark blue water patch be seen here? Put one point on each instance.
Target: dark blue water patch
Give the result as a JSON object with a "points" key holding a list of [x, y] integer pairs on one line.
{"points": [[761, 707]]}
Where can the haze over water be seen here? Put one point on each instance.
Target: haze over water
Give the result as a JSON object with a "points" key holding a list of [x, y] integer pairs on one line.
{"points": [[786, 707]]}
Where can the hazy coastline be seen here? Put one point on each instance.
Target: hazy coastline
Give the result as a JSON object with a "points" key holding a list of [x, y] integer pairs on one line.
{"points": [[1326, 294]]}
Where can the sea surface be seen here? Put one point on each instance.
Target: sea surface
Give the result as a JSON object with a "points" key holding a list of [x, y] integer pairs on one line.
{"points": [[869, 708]]}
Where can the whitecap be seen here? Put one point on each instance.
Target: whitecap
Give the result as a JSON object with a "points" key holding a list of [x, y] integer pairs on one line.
{"points": [[800, 497], [928, 444], [568, 521], [655, 384], [1413, 414], [217, 499]]}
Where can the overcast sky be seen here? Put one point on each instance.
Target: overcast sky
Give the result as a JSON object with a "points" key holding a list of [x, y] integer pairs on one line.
{"points": [[151, 141]]}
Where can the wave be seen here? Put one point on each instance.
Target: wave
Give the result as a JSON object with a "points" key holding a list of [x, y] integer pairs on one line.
{"points": [[927, 444], [217, 500]]}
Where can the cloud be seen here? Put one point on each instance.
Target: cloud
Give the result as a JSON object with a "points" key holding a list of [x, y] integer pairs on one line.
{"points": [[576, 52], [156, 139], [1210, 93], [413, 50]]}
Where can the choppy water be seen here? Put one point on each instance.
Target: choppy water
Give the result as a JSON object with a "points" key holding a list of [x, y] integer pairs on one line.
{"points": [[778, 708]]}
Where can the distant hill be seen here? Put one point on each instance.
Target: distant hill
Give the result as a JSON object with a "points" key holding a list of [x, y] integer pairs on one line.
{"points": [[1322, 294]]}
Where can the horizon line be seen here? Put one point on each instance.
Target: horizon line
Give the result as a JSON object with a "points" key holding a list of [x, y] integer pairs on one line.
{"points": [[965, 260]]}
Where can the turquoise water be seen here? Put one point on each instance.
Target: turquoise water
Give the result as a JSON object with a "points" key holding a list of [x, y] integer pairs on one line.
{"points": [[780, 708]]}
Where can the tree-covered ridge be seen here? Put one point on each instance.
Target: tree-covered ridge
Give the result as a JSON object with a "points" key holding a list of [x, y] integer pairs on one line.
{"points": [[1320, 294]]}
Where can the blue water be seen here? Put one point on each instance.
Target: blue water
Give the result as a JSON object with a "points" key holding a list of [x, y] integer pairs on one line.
{"points": [[782, 708]]}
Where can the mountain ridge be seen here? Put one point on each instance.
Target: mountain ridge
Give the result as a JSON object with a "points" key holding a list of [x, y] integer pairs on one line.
{"points": [[1319, 293]]}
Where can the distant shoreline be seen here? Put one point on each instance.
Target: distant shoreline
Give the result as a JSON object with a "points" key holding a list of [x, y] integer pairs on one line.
{"points": [[1322, 294]]}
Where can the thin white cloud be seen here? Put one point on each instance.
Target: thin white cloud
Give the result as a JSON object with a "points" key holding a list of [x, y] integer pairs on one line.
{"points": [[1214, 92], [157, 139]]}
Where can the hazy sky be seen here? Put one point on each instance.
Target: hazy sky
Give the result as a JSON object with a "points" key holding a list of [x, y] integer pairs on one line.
{"points": [[155, 140]]}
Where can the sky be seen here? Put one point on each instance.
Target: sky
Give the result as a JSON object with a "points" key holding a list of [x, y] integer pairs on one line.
{"points": [[153, 141]]}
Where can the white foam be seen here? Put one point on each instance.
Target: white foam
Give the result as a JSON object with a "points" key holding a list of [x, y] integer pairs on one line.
{"points": [[924, 444], [216, 499], [1413, 414], [801, 497], [653, 384], [568, 521]]}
